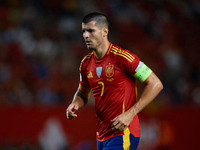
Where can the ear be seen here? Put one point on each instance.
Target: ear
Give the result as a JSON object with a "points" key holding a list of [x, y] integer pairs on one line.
{"points": [[105, 31]]}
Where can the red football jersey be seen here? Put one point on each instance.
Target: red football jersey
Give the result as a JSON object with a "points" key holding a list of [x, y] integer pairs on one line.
{"points": [[113, 86]]}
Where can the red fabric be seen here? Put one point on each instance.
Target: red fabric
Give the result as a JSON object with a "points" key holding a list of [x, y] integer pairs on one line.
{"points": [[114, 86]]}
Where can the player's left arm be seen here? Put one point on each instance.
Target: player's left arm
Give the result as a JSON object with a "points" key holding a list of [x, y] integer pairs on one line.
{"points": [[151, 90], [153, 86]]}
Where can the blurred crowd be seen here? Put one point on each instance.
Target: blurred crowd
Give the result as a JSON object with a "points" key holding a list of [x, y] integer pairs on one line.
{"points": [[41, 46]]}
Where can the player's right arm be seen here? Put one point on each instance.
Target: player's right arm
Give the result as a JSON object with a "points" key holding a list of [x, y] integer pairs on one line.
{"points": [[80, 99]]}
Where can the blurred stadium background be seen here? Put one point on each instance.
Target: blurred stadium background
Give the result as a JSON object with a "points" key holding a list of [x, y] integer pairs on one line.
{"points": [[41, 47]]}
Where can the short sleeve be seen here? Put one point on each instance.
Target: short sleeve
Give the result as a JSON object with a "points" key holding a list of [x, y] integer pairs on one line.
{"points": [[133, 67], [128, 62], [83, 77]]}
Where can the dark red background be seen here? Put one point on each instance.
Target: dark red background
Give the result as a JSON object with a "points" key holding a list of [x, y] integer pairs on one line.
{"points": [[19, 124]]}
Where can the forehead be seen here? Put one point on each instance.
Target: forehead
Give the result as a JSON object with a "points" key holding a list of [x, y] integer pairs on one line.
{"points": [[89, 25]]}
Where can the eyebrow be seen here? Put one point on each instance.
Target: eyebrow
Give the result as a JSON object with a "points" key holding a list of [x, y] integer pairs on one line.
{"points": [[89, 30]]}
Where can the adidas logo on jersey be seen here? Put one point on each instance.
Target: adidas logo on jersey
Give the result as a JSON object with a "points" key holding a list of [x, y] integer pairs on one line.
{"points": [[90, 75]]}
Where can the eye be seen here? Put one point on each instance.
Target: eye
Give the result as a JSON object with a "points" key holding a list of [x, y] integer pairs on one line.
{"points": [[90, 30]]}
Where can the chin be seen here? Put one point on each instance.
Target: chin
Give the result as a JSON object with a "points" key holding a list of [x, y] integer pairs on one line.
{"points": [[89, 47]]}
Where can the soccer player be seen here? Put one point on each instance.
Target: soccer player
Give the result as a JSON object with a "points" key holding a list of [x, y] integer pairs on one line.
{"points": [[111, 73]]}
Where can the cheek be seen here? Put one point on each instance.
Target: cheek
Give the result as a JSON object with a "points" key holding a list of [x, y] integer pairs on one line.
{"points": [[97, 41], [98, 38]]}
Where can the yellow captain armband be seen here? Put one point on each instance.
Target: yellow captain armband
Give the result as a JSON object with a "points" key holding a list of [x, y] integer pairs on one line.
{"points": [[142, 72]]}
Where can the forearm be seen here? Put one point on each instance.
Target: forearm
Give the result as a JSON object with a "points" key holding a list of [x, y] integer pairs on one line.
{"points": [[80, 102], [151, 90], [82, 96]]}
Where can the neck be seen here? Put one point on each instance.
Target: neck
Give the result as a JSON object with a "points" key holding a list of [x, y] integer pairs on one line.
{"points": [[101, 50]]}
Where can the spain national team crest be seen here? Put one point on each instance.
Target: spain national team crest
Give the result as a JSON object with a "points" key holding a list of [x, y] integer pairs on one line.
{"points": [[109, 70]]}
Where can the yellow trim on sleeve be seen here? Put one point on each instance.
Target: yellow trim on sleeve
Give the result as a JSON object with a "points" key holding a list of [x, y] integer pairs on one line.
{"points": [[122, 53]]}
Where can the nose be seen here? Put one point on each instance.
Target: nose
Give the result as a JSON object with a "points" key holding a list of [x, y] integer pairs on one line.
{"points": [[85, 35]]}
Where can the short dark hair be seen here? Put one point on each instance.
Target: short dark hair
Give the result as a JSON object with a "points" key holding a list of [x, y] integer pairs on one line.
{"points": [[99, 18]]}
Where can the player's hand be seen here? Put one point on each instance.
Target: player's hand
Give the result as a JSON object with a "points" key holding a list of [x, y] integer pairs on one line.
{"points": [[70, 111], [121, 122]]}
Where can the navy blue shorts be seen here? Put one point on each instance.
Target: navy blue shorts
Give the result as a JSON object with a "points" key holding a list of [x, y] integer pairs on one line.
{"points": [[119, 143]]}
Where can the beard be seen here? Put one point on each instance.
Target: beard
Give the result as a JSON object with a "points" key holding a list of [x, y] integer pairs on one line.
{"points": [[90, 47]]}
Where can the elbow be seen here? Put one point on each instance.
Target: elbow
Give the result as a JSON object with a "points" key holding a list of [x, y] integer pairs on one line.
{"points": [[154, 83], [159, 85]]}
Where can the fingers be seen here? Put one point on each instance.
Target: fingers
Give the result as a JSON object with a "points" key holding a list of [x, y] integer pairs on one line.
{"points": [[75, 107], [70, 111], [123, 128], [117, 125], [70, 115]]}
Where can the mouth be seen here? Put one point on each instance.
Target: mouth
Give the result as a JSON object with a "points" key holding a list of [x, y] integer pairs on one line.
{"points": [[88, 42]]}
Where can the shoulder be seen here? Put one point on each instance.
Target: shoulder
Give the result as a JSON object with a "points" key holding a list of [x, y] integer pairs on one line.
{"points": [[122, 54], [86, 60], [87, 57]]}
